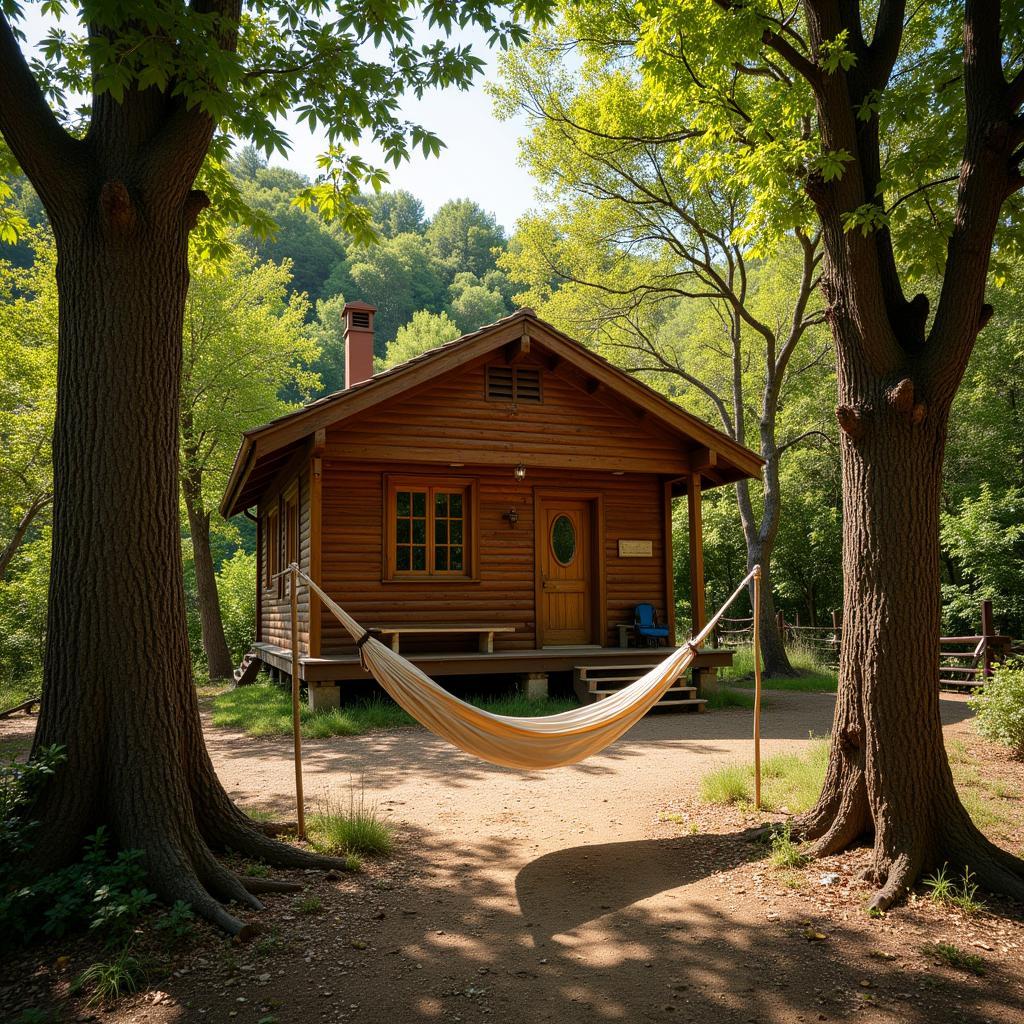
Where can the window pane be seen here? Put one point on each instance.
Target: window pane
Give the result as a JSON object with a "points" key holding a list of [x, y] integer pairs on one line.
{"points": [[403, 503], [456, 559], [441, 559], [440, 531], [563, 540], [456, 531], [419, 503], [419, 559], [404, 530], [441, 505], [419, 531], [402, 559], [456, 506]]}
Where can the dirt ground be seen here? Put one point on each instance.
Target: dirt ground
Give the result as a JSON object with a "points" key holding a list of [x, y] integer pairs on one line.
{"points": [[600, 892]]}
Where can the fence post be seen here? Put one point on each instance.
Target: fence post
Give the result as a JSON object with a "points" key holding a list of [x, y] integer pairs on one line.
{"points": [[987, 631]]}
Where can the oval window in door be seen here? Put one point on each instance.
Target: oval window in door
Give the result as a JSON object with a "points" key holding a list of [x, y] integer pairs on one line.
{"points": [[563, 540]]}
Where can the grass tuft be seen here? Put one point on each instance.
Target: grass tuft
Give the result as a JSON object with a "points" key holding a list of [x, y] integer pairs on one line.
{"points": [[949, 892], [108, 982], [730, 784], [722, 697], [356, 829], [309, 904], [786, 854], [956, 957]]}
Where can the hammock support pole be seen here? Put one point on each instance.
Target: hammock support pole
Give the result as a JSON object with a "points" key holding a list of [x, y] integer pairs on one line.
{"points": [[757, 687], [300, 808]]}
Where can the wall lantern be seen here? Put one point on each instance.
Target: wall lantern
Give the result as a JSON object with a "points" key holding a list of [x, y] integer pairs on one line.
{"points": [[519, 472], [512, 516]]}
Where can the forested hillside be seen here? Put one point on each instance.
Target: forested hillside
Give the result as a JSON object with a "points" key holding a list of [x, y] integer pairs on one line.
{"points": [[263, 332]]}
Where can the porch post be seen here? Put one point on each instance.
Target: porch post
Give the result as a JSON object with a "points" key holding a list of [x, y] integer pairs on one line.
{"points": [[696, 553]]}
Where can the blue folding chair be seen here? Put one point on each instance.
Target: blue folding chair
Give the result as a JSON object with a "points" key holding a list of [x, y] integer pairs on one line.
{"points": [[645, 625]]}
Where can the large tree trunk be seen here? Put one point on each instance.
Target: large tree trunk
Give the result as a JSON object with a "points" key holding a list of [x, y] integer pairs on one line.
{"points": [[117, 691], [888, 777], [215, 646]]}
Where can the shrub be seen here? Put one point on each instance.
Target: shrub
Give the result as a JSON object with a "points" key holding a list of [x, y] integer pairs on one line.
{"points": [[999, 705], [236, 589]]}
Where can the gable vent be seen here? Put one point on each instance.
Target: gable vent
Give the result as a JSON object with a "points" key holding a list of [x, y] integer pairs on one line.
{"points": [[513, 384], [360, 318]]}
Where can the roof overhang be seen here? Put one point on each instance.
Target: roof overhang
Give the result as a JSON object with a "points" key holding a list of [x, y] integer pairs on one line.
{"points": [[266, 449]]}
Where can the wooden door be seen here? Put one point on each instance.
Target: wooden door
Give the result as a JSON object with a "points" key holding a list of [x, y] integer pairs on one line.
{"points": [[565, 544]]}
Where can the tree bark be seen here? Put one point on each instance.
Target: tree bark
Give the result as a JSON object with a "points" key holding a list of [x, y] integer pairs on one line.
{"points": [[888, 776], [117, 691], [215, 646]]}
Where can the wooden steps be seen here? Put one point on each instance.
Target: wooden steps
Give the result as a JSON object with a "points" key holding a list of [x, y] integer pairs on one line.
{"points": [[596, 682], [247, 672]]}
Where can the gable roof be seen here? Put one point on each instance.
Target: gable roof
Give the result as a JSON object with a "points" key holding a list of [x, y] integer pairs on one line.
{"points": [[266, 449]]}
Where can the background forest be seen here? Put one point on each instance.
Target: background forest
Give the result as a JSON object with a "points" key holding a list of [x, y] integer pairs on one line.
{"points": [[621, 254]]}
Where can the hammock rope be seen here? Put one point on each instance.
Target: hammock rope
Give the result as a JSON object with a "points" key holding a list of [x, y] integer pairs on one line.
{"points": [[550, 741]]}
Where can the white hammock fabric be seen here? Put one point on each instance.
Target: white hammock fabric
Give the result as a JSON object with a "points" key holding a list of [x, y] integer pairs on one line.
{"points": [[550, 741]]}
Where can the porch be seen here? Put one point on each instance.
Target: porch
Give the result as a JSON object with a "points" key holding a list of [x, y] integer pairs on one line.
{"points": [[329, 669]]}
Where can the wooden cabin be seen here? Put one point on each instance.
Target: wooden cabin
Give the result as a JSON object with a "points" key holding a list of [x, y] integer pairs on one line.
{"points": [[496, 507]]}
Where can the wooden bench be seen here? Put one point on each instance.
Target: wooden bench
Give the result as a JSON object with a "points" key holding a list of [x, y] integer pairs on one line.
{"points": [[485, 633]]}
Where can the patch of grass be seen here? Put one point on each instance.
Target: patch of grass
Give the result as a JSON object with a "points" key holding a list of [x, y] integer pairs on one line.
{"points": [[722, 697], [954, 956], [269, 944], [790, 781], [105, 983], [356, 829], [956, 751], [950, 892], [730, 784], [258, 813], [309, 904], [255, 869], [814, 675], [785, 853], [521, 706], [15, 691], [352, 862], [264, 709]]}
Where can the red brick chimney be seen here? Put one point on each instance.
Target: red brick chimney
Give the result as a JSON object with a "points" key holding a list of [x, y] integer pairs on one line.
{"points": [[358, 317]]}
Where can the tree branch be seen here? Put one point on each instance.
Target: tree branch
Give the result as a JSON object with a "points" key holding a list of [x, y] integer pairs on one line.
{"points": [[43, 149]]}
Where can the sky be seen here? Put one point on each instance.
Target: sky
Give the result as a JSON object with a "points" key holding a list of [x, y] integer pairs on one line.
{"points": [[480, 160]]}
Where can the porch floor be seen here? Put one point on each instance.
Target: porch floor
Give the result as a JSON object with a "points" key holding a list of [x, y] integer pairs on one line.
{"points": [[342, 667]]}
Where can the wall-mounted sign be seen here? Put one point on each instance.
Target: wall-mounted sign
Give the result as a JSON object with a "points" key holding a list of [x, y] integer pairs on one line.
{"points": [[636, 548]]}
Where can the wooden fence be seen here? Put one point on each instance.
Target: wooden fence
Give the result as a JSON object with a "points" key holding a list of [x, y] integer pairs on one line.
{"points": [[964, 661]]}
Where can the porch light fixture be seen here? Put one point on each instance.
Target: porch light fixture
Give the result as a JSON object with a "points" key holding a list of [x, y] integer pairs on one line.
{"points": [[512, 516], [519, 472]]}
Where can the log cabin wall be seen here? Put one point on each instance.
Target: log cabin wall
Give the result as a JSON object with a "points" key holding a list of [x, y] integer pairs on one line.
{"points": [[275, 600], [572, 442], [353, 567]]}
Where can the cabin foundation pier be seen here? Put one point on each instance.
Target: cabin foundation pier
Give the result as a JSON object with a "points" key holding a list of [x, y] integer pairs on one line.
{"points": [[323, 696], [535, 685]]}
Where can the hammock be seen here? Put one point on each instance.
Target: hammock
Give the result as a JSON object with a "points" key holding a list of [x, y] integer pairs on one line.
{"points": [[529, 743]]}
